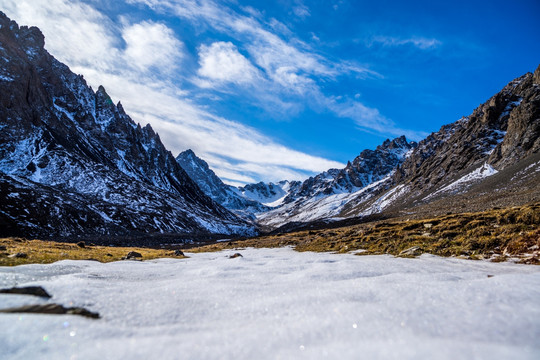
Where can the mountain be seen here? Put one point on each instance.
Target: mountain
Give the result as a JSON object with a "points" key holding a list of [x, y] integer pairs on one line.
{"points": [[226, 195], [495, 150], [245, 201], [270, 194], [74, 164], [488, 159], [325, 195]]}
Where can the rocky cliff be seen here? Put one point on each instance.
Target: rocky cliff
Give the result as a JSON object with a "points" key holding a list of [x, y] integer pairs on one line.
{"points": [[73, 163]]}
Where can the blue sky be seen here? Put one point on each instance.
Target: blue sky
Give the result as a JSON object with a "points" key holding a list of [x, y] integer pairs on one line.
{"points": [[271, 90]]}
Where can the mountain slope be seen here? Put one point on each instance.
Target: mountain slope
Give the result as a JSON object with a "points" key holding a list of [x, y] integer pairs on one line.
{"points": [[226, 195], [325, 195], [483, 160], [487, 159], [71, 147]]}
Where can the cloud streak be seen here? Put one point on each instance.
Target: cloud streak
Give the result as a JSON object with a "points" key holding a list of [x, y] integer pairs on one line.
{"points": [[221, 62], [421, 43], [119, 55], [290, 69]]}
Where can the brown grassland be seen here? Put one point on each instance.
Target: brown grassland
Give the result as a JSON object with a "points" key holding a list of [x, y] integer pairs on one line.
{"points": [[497, 235]]}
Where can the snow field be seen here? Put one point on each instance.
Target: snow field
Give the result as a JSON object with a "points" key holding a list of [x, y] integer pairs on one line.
{"points": [[278, 304]]}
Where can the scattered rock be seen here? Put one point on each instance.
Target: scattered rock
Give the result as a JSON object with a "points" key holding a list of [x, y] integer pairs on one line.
{"points": [[51, 309], [235, 256], [133, 255], [18, 255], [530, 260], [27, 290], [178, 253], [428, 225], [412, 251], [81, 244]]}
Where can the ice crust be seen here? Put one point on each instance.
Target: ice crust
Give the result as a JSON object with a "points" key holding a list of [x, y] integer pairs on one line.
{"points": [[278, 304]]}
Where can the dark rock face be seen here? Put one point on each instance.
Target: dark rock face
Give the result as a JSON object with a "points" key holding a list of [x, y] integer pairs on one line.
{"points": [[500, 132], [72, 162], [368, 167], [226, 195]]}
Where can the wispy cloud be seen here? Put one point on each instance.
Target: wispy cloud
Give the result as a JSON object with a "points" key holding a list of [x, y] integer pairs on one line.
{"points": [[290, 69], [302, 11], [279, 73], [112, 55], [221, 62], [421, 43]]}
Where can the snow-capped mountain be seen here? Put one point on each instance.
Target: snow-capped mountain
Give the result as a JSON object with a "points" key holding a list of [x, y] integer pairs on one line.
{"points": [[326, 195], [73, 163], [490, 158], [245, 201], [226, 195], [270, 194]]}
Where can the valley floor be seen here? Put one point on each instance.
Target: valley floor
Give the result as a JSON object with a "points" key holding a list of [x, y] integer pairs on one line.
{"points": [[277, 303]]}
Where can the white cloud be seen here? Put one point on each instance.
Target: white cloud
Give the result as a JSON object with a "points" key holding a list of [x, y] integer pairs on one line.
{"points": [[117, 56], [302, 11], [418, 42], [180, 122], [151, 45], [74, 32], [222, 62]]}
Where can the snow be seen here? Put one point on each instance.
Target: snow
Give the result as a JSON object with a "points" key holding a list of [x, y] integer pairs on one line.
{"points": [[6, 78], [318, 207], [480, 173], [276, 194], [278, 304], [386, 200]]}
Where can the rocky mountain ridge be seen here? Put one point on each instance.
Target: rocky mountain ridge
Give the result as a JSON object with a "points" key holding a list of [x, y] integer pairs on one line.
{"points": [[226, 195], [91, 169], [494, 150], [245, 201]]}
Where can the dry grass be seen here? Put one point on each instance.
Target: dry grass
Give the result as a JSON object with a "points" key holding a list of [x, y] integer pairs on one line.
{"points": [[44, 252], [497, 234]]}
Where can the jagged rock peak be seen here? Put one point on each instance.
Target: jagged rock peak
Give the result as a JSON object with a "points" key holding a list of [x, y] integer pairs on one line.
{"points": [[29, 36], [536, 76]]}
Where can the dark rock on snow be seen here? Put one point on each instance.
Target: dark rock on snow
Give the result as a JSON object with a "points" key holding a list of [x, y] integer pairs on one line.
{"points": [[27, 290], [55, 309]]}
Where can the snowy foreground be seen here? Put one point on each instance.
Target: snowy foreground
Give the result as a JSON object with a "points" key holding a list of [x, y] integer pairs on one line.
{"points": [[278, 304]]}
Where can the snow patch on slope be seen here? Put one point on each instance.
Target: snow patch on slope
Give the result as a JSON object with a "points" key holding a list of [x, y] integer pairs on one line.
{"points": [[482, 172]]}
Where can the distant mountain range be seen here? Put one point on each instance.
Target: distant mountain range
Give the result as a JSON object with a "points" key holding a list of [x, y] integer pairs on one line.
{"points": [[73, 164], [488, 159]]}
